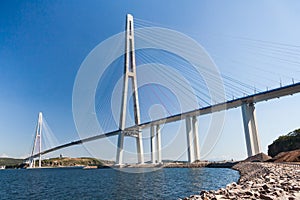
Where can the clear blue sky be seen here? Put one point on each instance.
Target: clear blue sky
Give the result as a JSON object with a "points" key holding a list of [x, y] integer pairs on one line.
{"points": [[43, 43]]}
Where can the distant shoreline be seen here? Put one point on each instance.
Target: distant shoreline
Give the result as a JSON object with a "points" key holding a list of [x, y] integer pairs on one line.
{"points": [[178, 165]]}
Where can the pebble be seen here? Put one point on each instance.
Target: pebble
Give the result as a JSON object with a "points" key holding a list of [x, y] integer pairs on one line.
{"points": [[259, 181]]}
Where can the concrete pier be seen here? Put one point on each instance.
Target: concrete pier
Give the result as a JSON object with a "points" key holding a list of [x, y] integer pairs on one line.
{"points": [[251, 134], [155, 133], [193, 149]]}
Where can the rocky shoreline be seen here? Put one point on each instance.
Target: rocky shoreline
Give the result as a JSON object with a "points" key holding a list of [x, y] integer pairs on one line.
{"points": [[260, 181]]}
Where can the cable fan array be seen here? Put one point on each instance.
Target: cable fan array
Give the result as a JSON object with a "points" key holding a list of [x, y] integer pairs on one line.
{"points": [[246, 66]]}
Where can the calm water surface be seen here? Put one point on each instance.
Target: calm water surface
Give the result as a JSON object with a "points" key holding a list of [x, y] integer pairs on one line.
{"points": [[167, 183]]}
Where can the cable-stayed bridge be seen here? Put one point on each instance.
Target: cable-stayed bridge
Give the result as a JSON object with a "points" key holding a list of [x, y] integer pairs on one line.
{"points": [[130, 77]]}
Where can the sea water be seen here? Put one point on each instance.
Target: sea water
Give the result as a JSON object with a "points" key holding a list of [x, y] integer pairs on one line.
{"points": [[166, 183]]}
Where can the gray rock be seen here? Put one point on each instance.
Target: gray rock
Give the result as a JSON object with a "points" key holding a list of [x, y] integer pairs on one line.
{"points": [[259, 181], [249, 193], [266, 197], [272, 181], [276, 193], [296, 188], [265, 187]]}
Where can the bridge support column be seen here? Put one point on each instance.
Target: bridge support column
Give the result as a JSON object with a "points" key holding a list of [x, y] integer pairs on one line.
{"points": [[189, 139], [158, 144], [31, 163], [193, 149], [251, 134], [195, 138], [155, 144], [120, 149], [152, 140], [140, 148]]}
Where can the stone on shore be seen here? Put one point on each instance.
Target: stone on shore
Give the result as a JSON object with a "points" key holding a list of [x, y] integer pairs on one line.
{"points": [[260, 181]]}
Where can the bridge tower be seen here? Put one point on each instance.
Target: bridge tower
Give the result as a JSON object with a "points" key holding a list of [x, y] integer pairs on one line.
{"points": [[37, 141], [129, 74], [251, 134]]}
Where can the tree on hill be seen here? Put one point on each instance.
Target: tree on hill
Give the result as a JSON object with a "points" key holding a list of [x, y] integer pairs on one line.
{"points": [[284, 143], [10, 162]]}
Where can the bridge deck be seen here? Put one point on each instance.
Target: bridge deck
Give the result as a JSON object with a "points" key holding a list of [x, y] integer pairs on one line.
{"points": [[255, 98]]}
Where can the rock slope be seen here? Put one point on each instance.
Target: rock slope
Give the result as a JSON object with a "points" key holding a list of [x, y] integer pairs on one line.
{"points": [[290, 156], [261, 157]]}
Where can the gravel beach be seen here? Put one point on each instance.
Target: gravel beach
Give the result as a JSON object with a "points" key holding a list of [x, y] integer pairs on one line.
{"points": [[260, 181]]}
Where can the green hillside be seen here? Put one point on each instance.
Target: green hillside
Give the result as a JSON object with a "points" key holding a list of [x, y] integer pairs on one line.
{"points": [[65, 161], [10, 161], [284, 143]]}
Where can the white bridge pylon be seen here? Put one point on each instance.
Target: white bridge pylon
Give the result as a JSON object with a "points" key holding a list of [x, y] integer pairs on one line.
{"points": [[37, 143], [130, 74], [193, 149]]}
